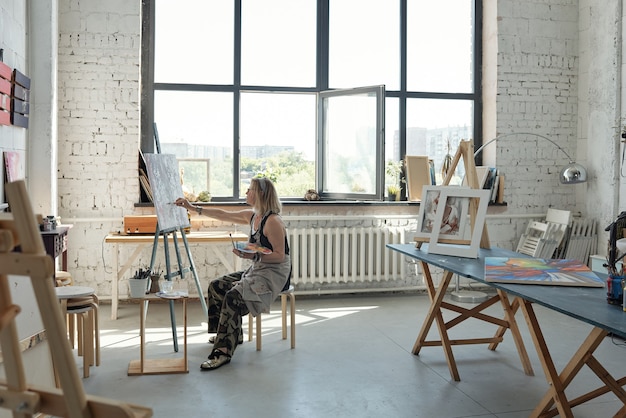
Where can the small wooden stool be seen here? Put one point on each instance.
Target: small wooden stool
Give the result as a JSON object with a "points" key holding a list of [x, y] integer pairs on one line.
{"points": [[81, 302], [285, 295], [63, 278]]}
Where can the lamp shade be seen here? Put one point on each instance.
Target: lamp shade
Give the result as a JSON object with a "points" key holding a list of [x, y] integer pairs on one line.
{"points": [[573, 173]]}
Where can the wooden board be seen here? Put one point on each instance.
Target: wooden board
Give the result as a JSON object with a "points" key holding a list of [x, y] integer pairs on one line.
{"points": [[417, 175], [158, 366]]}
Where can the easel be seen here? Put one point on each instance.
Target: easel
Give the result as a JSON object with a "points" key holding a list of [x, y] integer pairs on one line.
{"points": [[169, 274], [26, 400], [166, 188], [465, 150], [436, 294]]}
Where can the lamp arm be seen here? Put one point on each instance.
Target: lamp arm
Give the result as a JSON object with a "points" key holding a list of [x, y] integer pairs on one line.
{"points": [[523, 133]]}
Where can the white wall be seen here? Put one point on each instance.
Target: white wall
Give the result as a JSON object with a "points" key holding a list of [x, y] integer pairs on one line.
{"points": [[13, 42], [600, 107], [14, 27]]}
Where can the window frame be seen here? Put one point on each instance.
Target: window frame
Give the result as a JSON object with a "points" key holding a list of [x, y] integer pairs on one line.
{"points": [[148, 86], [379, 152]]}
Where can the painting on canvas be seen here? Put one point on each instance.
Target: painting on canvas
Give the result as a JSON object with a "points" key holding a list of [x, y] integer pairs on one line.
{"points": [[560, 272]]}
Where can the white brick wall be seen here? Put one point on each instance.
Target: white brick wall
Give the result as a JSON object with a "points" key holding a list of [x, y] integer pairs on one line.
{"points": [[13, 42], [537, 92], [99, 65], [99, 61]]}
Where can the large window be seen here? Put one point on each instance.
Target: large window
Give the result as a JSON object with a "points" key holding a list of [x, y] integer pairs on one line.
{"points": [[236, 86]]}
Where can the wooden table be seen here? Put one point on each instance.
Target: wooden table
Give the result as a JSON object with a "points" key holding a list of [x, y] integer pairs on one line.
{"points": [[466, 267], [586, 304], [159, 366], [55, 242], [141, 241]]}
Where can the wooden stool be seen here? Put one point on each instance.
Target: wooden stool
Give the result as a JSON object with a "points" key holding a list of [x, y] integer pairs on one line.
{"points": [[285, 295], [63, 278], [87, 332], [80, 302]]}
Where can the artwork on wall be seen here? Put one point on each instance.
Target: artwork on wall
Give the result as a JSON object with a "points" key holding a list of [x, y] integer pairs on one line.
{"points": [[14, 97], [445, 221]]}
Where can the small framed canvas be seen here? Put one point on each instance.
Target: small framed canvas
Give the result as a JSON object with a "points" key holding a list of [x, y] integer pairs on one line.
{"points": [[447, 221]]}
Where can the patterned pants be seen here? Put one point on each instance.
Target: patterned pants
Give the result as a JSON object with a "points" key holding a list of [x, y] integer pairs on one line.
{"points": [[226, 307]]}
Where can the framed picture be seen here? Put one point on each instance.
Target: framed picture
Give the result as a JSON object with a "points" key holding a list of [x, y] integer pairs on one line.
{"points": [[445, 220], [452, 224]]}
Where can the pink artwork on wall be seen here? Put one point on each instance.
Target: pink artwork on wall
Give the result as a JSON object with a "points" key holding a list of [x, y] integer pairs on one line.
{"points": [[13, 167]]}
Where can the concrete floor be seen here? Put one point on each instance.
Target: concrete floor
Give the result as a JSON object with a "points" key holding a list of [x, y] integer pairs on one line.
{"points": [[352, 359]]}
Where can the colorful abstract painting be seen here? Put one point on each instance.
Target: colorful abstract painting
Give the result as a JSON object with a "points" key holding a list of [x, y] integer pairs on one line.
{"points": [[540, 271]]}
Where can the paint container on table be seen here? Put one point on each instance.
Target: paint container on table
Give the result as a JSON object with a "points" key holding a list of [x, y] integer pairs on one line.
{"points": [[615, 290]]}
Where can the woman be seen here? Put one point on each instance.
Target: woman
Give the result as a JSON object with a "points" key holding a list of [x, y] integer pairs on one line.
{"points": [[234, 295]]}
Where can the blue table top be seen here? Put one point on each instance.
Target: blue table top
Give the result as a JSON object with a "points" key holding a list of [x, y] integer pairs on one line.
{"points": [[587, 304]]}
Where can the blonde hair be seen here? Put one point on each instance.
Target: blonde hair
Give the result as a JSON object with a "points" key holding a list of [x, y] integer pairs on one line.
{"points": [[266, 197]]}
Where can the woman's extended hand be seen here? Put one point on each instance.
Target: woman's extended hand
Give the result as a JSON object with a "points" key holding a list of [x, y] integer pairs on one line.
{"points": [[182, 202]]}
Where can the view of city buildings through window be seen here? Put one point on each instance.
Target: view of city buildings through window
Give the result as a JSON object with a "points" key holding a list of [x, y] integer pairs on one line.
{"points": [[233, 107]]}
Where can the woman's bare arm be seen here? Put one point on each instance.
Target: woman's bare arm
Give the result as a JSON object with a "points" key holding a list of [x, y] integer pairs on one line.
{"points": [[238, 217]]}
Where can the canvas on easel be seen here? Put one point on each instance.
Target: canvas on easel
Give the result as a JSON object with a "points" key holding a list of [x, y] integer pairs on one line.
{"points": [[166, 188]]}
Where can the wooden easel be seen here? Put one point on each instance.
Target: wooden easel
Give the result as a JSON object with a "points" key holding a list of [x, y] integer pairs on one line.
{"points": [[465, 150], [26, 400], [172, 220], [169, 274]]}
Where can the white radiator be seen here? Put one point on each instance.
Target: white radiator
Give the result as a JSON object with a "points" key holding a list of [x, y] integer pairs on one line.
{"points": [[346, 254]]}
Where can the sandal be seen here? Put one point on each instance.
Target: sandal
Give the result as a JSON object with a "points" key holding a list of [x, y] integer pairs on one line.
{"points": [[239, 341], [217, 359]]}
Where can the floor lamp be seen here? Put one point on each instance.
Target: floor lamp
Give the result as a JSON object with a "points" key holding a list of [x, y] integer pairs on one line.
{"points": [[572, 173]]}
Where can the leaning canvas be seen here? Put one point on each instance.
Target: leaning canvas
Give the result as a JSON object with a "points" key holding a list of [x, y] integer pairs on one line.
{"points": [[554, 272]]}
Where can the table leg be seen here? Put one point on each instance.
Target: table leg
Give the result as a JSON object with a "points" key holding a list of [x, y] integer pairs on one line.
{"points": [[434, 313], [185, 362], [142, 333], [559, 382], [119, 274], [145, 366], [509, 312], [224, 261]]}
